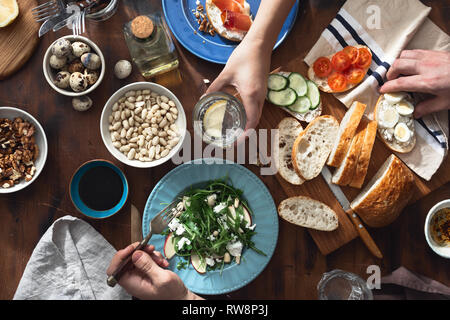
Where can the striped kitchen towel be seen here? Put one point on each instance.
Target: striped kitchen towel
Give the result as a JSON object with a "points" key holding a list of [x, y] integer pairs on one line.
{"points": [[388, 28]]}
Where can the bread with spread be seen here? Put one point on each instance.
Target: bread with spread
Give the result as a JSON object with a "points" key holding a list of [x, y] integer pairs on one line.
{"points": [[396, 126], [385, 196]]}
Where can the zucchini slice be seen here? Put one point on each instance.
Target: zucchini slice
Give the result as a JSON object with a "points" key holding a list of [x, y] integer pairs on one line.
{"points": [[298, 83], [283, 98], [301, 105], [277, 82], [313, 94]]}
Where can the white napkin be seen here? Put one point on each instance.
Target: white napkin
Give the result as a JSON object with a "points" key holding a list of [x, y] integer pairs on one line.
{"points": [[69, 263], [403, 24]]}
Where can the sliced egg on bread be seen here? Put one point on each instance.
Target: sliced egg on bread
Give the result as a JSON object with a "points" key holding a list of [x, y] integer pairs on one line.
{"points": [[404, 108], [388, 118], [394, 97], [402, 132]]}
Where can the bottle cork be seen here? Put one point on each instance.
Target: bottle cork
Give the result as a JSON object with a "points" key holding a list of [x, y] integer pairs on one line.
{"points": [[142, 27]]}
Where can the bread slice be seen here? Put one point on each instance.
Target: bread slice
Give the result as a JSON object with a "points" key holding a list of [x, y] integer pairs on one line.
{"points": [[364, 156], [214, 17], [313, 146], [344, 173], [322, 83], [289, 129], [347, 130], [394, 145], [308, 213], [385, 196]]}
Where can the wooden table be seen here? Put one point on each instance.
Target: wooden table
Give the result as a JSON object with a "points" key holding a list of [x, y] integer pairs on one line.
{"points": [[74, 138]]}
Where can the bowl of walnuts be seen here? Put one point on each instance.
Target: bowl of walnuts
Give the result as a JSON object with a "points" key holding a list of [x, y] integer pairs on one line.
{"points": [[73, 66], [23, 149]]}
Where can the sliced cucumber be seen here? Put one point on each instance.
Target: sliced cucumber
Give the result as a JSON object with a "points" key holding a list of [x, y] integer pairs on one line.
{"points": [[283, 98], [313, 94], [301, 105], [277, 82], [298, 83]]}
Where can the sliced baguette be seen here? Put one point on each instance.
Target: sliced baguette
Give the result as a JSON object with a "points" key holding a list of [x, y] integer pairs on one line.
{"points": [[308, 213], [313, 146], [394, 145], [322, 83], [364, 156], [344, 173], [289, 129], [385, 196], [347, 130], [214, 17]]}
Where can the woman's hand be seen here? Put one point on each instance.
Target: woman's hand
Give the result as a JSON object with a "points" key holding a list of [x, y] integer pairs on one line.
{"points": [[147, 279], [422, 71], [247, 70]]}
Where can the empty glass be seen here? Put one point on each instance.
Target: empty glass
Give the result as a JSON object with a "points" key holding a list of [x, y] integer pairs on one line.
{"points": [[342, 285]]}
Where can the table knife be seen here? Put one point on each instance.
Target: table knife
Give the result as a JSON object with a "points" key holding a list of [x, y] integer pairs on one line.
{"points": [[343, 201], [136, 224], [48, 25]]}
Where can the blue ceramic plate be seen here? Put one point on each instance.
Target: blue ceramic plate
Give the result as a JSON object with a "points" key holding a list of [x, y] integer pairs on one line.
{"points": [[75, 196], [264, 216], [216, 49]]}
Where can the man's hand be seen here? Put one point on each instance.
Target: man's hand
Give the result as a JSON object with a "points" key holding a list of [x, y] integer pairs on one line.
{"points": [[147, 279], [422, 71]]}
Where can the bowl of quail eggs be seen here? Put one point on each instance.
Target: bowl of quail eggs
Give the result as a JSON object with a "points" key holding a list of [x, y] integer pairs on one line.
{"points": [[74, 66]]}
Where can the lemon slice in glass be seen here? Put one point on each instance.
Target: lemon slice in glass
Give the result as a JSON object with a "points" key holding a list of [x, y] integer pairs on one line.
{"points": [[9, 10], [213, 118]]}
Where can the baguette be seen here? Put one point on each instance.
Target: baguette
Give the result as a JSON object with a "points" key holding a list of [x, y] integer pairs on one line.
{"points": [[347, 130], [214, 18], [364, 156], [313, 146], [345, 172], [322, 83], [385, 196], [289, 129], [308, 213], [388, 136]]}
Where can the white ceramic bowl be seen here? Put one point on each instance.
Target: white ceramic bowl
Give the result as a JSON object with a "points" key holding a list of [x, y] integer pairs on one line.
{"points": [[107, 111], [440, 250], [41, 141], [50, 73]]}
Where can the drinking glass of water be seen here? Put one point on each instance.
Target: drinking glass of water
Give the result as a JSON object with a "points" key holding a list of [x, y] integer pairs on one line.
{"points": [[342, 285]]}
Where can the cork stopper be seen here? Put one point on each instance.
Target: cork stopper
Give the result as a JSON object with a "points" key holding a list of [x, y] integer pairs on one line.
{"points": [[142, 27]]}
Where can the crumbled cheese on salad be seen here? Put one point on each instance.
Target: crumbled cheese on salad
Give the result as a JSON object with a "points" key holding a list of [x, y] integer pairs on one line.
{"points": [[210, 261], [251, 227], [220, 207], [183, 241], [235, 248], [211, 237], [176, 226]]}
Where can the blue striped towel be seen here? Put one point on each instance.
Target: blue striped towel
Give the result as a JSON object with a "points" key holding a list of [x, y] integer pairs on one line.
{"points": [[376, 24]]}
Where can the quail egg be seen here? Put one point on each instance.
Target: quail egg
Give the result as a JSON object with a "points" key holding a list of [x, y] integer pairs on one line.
{"points": [[91, 61], [56, 62], [82, 103], [78, 82], [91, 76], [79, 48], [62, 48], [62, 79], [75, 66], [122, 69]]}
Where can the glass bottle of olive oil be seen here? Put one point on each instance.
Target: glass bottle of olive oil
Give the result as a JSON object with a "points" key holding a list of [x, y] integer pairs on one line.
{"points": [[150, 45]]}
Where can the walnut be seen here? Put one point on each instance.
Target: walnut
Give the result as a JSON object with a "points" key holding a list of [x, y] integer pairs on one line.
{"points": [[18, 151]]}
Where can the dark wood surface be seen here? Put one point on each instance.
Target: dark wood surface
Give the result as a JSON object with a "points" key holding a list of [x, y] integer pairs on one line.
{"points": [[74, 138]]}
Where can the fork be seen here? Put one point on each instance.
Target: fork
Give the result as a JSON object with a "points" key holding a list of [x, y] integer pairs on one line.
{"points": [[158, 224], [47, 10]]}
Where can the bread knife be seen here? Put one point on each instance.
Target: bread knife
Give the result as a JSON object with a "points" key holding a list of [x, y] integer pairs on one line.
{"points": [[343, 201], [136, 223]]}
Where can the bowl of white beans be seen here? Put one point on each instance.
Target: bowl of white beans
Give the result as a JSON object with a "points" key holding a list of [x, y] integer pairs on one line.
{"points": [[143, 124]]}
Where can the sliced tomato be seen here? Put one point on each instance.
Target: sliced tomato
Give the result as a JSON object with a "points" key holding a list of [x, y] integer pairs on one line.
{"points": [[352, 53], [355, 75], [233, 20], [341, 61], [322, 67], [230, 5], [364, 58], [337, 82]]}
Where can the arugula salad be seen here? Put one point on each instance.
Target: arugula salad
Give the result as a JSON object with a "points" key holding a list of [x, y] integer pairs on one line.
{"points": [[212, 227]]}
